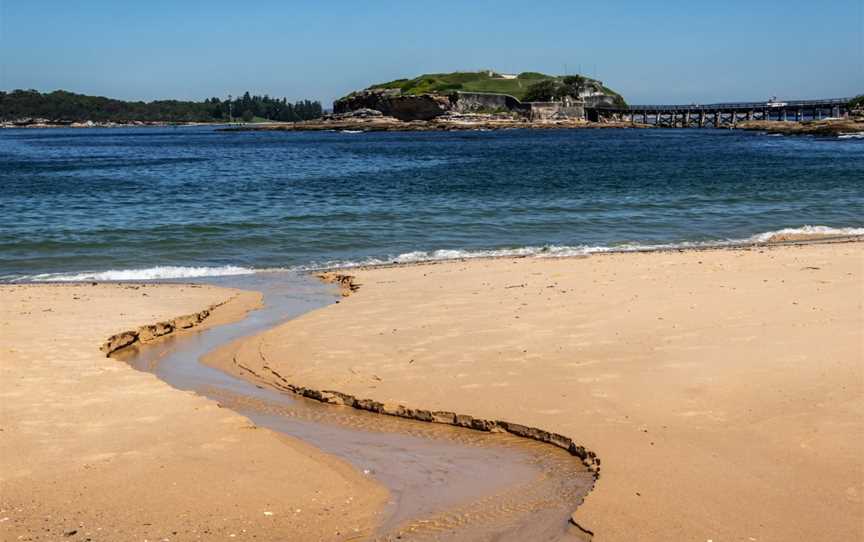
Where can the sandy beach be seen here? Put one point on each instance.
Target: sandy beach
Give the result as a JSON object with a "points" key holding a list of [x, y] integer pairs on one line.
{"points": [[722, 389], [91, 449]]}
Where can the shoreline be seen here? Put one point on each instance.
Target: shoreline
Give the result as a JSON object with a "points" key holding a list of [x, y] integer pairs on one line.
{"points": [[783, 238], [828, 127], [834, 239], [307, 338], [132, 124], [389, 124]]}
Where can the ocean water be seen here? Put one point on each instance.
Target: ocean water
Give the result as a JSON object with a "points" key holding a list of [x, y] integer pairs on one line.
{"points": [[140, 203]]}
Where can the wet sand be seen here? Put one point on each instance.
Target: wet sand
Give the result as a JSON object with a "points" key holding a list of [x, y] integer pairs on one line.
{"points": [[92, 449], [444, 483], [723, 390]]}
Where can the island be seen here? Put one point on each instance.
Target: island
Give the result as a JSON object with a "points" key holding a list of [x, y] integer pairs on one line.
{"points": [[466, 101]]}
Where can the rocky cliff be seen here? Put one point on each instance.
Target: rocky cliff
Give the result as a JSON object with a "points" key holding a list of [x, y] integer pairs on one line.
{"points": [[392, 103]]}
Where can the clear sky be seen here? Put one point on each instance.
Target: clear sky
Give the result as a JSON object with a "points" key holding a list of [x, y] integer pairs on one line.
{"points": [[671, 51]]}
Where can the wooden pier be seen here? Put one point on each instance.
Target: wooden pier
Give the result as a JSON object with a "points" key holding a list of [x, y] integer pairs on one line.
{"points": [[722, 115]]}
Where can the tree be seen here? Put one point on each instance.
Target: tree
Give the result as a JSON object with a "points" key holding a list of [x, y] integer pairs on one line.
{"points": [[542, 91], [573, 85]]}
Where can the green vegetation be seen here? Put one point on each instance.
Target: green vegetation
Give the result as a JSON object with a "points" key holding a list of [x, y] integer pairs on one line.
{"points": [[527, 86], [618, 99], [63, 106], [857, 102], [532, 75], [468, 82]]}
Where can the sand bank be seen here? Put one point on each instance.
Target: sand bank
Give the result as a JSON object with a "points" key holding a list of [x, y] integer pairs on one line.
{"points": [[722, 389], [92, 449]]}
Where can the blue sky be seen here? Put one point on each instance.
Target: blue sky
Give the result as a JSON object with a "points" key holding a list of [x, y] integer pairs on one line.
{"points": [[670, 51]]}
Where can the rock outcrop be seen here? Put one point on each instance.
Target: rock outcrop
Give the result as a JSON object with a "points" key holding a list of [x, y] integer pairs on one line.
{"points": [[392, 103]]}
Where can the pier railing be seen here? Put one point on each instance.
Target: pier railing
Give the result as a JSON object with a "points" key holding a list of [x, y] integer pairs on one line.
{"points": [[721, 115], [728, 106]]}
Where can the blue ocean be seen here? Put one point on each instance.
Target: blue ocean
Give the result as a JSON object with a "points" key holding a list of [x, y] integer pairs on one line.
{"points": [[149, 203]]}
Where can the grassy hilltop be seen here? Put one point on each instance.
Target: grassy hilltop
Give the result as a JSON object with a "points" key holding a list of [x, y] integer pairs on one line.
{"points": [[476, 82]]}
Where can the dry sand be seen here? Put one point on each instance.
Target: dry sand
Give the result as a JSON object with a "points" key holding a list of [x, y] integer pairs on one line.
{"points": [[722, 389], [91, 449]]}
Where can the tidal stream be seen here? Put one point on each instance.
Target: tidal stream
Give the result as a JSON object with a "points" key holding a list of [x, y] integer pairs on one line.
{"points": [[445, 483]]}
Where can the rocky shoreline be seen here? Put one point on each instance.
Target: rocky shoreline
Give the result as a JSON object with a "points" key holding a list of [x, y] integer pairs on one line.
{"points": [[455, 122], [373, 121], [51, 123], [828, 127]]}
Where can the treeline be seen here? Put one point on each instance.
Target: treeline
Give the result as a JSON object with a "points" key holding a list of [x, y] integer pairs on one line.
{"points": [[63, 106], [249, 107]]}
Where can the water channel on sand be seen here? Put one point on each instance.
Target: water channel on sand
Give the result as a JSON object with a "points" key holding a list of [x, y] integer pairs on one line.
{"points": [[445, 483]]}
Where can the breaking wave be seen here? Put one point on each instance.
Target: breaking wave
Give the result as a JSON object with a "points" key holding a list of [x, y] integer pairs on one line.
{"points": [[149, 273], [564, 251], [802, 233]]}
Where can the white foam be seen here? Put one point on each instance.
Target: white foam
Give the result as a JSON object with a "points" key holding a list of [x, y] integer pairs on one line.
{"points": [[419, 256], [806, 231], [149, 273], [545, 251], [564, 251], [855, 135]]}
